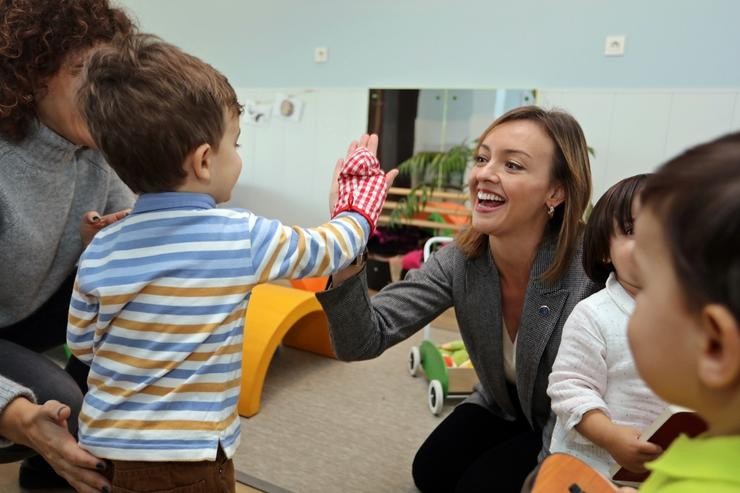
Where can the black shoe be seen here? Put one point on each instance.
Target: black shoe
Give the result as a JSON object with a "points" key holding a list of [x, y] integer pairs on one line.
{"points": [[35, 474]]}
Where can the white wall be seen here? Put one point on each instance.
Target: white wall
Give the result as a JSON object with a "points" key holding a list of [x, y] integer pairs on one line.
{"points": [[288, 165], [678, 52], [458, 44], [636, 131]]}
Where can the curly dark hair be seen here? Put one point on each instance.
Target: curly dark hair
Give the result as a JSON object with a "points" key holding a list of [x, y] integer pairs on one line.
{"points": [[35, 37]]}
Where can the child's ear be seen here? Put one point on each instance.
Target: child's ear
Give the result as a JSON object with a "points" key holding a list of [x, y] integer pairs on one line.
{"points": [[719, 362], [198, 162]]}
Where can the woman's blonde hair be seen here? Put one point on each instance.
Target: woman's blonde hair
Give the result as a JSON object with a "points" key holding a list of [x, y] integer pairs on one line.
{"points": [[570, 168]]}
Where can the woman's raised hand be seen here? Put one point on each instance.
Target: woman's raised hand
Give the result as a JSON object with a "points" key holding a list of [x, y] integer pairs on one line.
{"points": [[369, 142]]}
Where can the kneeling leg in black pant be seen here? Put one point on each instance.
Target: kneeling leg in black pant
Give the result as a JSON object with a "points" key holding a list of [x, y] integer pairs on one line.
{"points": [[474, 450]]}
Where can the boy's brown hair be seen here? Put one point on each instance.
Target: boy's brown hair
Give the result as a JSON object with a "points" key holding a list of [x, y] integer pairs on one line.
{"points": [[696, 198], [149, 104], [571, 168], [615, 206]]}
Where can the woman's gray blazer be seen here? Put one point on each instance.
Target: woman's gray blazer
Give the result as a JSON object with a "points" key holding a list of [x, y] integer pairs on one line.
{"points": [[362, 327]]}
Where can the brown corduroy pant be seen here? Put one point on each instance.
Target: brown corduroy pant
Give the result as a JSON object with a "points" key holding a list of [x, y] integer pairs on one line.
{"points": [[173, 477]]}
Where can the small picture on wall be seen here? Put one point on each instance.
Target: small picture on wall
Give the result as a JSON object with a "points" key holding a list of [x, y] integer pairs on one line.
{"points": [[287, 108], [257, 114]]}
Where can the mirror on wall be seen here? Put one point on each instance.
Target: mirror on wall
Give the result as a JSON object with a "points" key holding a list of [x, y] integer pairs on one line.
{"points": [[410, 121], [429, 134]]}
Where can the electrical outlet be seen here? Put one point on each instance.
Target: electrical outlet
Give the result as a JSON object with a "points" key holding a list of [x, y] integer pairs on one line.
{"points": [[614, 45], [321, 54]]}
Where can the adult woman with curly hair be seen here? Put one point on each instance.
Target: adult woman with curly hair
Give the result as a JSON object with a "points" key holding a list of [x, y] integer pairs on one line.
{"points": [[53, 184]]}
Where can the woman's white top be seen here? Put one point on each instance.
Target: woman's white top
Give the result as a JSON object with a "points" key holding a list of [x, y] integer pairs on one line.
{"points": [[594, 369], [509, 354]]}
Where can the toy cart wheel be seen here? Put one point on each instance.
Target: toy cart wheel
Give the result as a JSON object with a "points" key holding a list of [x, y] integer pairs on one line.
{"points": [[414, 361], [436, 397]]}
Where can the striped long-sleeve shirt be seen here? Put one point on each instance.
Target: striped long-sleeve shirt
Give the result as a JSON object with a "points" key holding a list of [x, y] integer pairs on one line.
{"points": [[158, 313]]}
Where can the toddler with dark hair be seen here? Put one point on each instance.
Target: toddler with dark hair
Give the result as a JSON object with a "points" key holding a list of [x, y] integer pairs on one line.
{"points": [[685, 330], [600, 402]]}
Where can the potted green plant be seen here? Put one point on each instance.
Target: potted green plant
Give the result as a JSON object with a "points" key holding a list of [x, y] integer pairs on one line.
{"points": [[431, 171]]}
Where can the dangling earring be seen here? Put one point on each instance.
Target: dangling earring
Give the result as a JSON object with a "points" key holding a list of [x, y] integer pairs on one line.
{"points": [[550, 211]]}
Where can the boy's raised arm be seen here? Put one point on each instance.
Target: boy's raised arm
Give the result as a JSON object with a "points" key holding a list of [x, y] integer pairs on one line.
{"points": [[293, 252]]}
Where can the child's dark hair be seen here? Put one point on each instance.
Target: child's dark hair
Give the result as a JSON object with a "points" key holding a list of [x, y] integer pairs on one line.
{"points": [[149, 104], [696, 198], [612, 210]]}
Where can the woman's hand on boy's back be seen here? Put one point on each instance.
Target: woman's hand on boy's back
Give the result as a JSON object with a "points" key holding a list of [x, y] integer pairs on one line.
{"points": [[92, 222], [44, 429]]}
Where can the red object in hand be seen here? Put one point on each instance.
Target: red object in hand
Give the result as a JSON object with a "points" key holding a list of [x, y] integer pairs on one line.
{"points": [[362, 186]]}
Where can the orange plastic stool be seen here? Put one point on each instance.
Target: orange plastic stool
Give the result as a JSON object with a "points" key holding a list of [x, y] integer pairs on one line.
{"points": [[278, 314], [313, 284]]}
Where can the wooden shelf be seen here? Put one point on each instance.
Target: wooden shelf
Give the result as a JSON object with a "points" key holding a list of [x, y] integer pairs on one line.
{"points": [[437, 194], [436, 201], [391, 204], [421, 223]]}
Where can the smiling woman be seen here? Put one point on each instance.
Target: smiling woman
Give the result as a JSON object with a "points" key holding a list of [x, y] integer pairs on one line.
{"points": [[509, 185], [540, 151], [513, 278]]}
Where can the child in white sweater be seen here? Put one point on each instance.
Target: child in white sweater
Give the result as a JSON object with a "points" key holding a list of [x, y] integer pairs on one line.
{"points": [[600, 402]]}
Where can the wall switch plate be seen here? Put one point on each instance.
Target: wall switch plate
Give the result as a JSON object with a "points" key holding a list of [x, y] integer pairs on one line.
{"points": [[614, 45], [321, 54]]}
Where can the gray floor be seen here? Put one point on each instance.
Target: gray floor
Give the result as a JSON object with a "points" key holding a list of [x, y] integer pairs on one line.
{"points": [[331, 426]]}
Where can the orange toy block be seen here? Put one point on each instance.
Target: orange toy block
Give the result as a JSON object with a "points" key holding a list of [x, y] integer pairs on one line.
{"points": [[278, 314]]}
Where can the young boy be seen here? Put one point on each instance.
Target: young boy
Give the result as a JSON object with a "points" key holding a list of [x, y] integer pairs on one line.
{"points": [[685, 330], [160, 296]]}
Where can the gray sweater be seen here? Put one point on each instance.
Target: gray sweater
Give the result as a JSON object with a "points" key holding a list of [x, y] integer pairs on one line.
{"points": [[362, 327], [46, 184]]}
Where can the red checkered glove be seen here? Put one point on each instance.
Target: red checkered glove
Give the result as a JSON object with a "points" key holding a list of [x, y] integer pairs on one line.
{"points": [[361, 186]]}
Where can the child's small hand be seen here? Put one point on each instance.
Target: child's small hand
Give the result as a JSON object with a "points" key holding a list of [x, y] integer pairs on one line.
{"points": [[92, 222], [629, 451]]}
